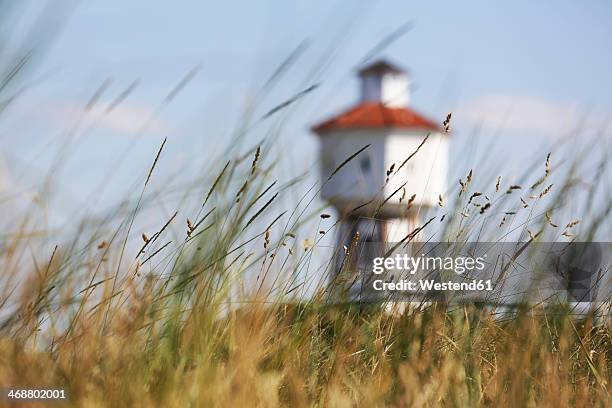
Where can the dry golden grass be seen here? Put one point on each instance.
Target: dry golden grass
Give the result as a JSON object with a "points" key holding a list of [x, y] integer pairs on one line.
{"points": [[304, 355], [178, 333]]}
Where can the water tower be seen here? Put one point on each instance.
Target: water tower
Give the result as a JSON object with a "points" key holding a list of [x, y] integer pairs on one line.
{"points": [[383, 119]]}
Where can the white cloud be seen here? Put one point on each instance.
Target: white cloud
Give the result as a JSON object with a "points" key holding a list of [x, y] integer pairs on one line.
{"points": [[130, 118], [125, 119], [528, 113]]}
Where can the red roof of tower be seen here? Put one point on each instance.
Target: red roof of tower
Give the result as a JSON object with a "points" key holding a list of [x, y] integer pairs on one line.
{"points": [[375, 115]]}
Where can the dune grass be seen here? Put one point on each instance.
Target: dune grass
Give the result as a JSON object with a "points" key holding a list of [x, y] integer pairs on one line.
{"points": [[215, 313]]}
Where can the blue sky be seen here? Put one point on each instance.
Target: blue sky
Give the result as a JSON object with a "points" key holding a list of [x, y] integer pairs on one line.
{"points": [[525, 73]]}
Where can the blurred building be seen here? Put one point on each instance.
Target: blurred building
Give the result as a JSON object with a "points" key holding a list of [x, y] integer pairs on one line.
{"points": [[383, 193]]}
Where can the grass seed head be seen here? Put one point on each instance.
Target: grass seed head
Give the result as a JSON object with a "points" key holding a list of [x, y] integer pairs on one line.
{"points": [[266, 239], [255, 160], [190, 227], [546, 191], [549, 219], [446, 123], [512, 188], [572, 224], [473, 196], [410, 201], [485, 208], [533, 236]]}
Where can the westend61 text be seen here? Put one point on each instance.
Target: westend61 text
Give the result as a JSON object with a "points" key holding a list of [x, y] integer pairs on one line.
{"points": [[429, 284]]}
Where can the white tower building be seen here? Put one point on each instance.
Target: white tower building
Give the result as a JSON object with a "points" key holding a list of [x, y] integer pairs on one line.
{"points": [[383, 119]]}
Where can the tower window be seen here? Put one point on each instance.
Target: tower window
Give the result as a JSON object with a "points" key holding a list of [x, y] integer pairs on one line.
{"points": [[365, 164]]}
